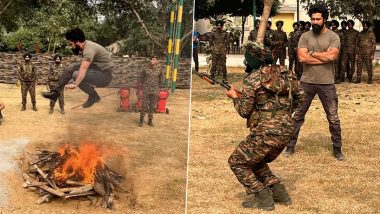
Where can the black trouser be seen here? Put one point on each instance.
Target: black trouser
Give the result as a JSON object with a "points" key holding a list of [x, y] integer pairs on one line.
{"points": [[94, 77], [195, 57], [329, 98]]}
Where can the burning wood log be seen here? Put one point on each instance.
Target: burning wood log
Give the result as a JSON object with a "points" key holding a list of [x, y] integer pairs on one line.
{"points": [[61, 174]]}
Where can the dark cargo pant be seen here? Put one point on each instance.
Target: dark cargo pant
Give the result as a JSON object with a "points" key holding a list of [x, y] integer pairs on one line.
{"points": [[249, 161], [148, 105], [219, 64], [366, 60], [329, 98], [31, 87], [195, 57], [94, 77]]}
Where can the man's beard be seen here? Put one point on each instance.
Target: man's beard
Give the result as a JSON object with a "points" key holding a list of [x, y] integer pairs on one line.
{"points": [[317, 29], [76, 50]]}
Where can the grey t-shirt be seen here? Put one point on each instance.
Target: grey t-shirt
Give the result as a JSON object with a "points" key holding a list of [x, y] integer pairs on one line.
{"points": [[99, 57], [324, 73]]}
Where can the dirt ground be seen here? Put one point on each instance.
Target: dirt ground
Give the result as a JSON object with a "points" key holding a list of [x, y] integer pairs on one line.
{"points": [[152, 158], [316, 182]]}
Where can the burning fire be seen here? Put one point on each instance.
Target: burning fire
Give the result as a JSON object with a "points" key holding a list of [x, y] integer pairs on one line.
{"points": [[79, 164]]}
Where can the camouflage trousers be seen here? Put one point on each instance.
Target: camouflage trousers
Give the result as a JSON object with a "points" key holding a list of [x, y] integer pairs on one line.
{"points": [[31, 87], [348, 63], [219, 64], [148, 105], [279, 54], [367, 61], [249, 161], [61, 97], [293, 61]]}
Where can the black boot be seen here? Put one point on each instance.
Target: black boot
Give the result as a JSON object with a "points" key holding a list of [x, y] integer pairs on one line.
{"points": [[23, 108], [52, 95], [34, 107], [289, 151], [358, 80], [338, 153], [369, 80], [265, 199], [51, 110], [280, 195], [92, 99], [141, 123], [150, 122], [62, 110]]}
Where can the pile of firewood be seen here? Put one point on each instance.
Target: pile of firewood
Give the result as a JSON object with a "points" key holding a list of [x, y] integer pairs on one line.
{"points": [[41, 178]]}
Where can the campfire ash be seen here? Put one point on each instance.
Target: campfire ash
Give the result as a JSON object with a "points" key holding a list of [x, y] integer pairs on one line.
{"points": [[72, 173]]}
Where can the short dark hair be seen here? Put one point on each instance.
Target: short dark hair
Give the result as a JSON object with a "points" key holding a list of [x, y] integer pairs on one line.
{"points": [[27, 54], [296, 23], [280, 23], [57, 56], [319, 7], [367, 23], [351, 21], [335, 22], [75, 35]]}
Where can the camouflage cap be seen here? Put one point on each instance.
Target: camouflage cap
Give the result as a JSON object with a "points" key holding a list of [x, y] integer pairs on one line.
{"points": [[256, 49]]}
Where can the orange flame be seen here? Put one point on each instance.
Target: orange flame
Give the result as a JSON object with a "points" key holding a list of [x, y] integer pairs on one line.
{"points": [[79, 163]]}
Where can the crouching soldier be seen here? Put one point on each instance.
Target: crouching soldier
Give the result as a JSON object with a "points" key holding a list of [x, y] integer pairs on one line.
{"points": [[28, 77], [55, 72]]}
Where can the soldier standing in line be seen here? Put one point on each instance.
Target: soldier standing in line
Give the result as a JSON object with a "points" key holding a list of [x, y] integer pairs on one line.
{"points": [[55, 72], [151, 80], [219, 40], [266, 101], [296, 38], [292, 47], [351, 42], [307, 26], [339, 75], [268, 36], [366, 46], [279, 43], [2, 106], [342, 62], [28, 77], [253, 33]]}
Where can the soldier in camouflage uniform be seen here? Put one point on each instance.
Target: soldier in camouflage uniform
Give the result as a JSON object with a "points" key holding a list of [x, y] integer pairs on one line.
{"points": [[267, 100], [268, 36], [351, 42], [28, 77], [219, 40], [366, 45], [297, 35], [339, 75], [151, 81], [307, 26], [292, 47], [253, 33], [343, 52], [279, 43], [55, 72]]}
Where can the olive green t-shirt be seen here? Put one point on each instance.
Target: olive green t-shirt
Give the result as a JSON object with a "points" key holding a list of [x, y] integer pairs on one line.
{"points": [[99, 57], [324, 73]]}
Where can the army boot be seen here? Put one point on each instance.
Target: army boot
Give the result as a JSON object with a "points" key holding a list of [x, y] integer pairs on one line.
{"points": [[150, 122], [289, 151], [23, 108], [264, 199], [92, 99], [141, 123], [369, 80], [62, 110], [338, 153], [280, 195], [359, 79], [34, 107], [51, 110]]}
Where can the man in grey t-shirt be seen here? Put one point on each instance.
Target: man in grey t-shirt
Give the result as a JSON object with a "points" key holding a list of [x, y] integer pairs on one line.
{"points": [[317, 50], [94, 70]]}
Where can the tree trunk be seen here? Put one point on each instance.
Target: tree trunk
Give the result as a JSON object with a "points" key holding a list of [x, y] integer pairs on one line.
{"points": [[264, 21]]}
